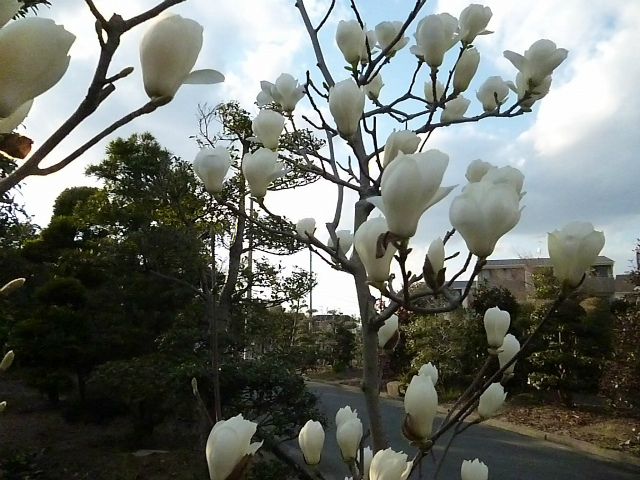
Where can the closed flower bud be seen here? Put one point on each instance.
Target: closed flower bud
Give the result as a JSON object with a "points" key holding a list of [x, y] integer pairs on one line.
{"points": [[12, 286], [420, 405], [435, 35], [388, 334], [306, 227], [194, 385], [538, 62], [365, 464], [345, 241], [227, 446], [465, 69], [402, 141], [428, 92], [474, 470], [345, 414], [346, 104], [496, 324], [350, 38], [436, 255], [260, 169], [348, 436], [477, 170], [409, 186], [473, 22], [510, 346], [491, 400], [311, 441], [45, 45], [573, 249], [366, 244], [168, 51], [492, 93], [455, 109], [507, 174], [429, 370], [9, 124], [8, 8], [211, 165], [372, 89], [390, 465], [386, 32], [7, 360], [268, 126], [483, 213]]}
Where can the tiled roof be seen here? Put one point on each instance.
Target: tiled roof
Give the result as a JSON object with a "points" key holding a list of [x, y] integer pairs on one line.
{"points": [[538, 262]]}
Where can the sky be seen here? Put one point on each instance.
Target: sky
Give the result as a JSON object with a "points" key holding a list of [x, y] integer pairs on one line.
{"points": [[579, 149]]}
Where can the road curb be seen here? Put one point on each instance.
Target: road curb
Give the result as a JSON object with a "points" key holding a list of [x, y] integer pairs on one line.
{"points": [[578, 445]]}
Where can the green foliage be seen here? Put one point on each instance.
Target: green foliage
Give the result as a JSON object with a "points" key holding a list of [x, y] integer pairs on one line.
{"points": [[546, 284]]}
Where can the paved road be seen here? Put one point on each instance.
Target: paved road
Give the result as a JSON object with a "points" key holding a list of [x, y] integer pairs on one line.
{"points": [[508, 455]]}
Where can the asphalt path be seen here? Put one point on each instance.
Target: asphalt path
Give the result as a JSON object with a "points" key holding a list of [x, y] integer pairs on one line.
{"points": [[509, 456]]}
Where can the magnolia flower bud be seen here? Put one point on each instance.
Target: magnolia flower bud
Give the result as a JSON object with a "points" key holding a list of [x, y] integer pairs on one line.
{"points": [[474, 470], [409, 186], [388, 334], [465, 69], [492, 93], [346, 104], [306, 227], [435, 35], [9, 124], [268, 126], [496, 324], [386, 32], [538, 62], [573, 250], [33, 55], [7, 360], [194, 385], [477, 170], [436, 255], [402, 141], [228, 444], [482, 213], [260, 169], [429, 370], [491, 400], [12, 286], [372, 89], [168, 51], [3, 405], [473, 21], [8, 8], [345, 240], [428, 92], [311, 441], [390, 465], [366, 244], [350, 38], [510, 346], [211, 165], [365, 464], [454, 109], [348, 436], [420, 404], [507, 174], [345, 414]]}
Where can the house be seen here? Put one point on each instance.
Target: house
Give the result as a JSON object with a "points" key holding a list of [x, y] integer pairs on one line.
{"points": [[516, 274]]}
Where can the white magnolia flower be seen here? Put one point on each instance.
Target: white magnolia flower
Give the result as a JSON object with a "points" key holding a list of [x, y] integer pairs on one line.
{"points": [[9, 124], [428, 92], [311, 441], [474, 470], [366, 244], [388, 333], [370, 36], [420, 405], [260, 169], [12, 286], [510, 346], [211, 165], [3, 405], [455, 109], [345, 241], [402, 141], [372, 89], [386, 32], [496, 324], [507, 174], [285, 92], [573, 249], [390, 465], [45, 45], [366, 461], [492, 93], [268, 126], [8, 8], [346, 104], [429, 370], [435, 35], [435, 253], [538, 62], [529, 95], [306, 227], [409, 186], [7, 360], [350, 38], [477, 170], [491, 400], [473, 22], [345, 414], [348, 436], [228, 443], [465, 69], [168, 51]]}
